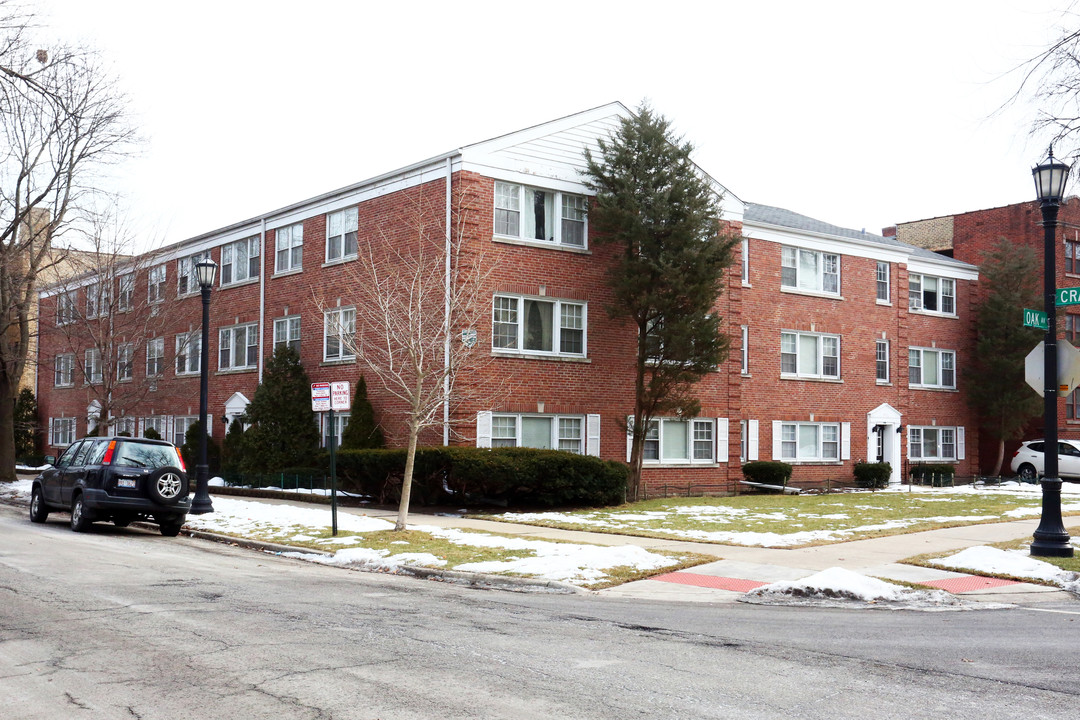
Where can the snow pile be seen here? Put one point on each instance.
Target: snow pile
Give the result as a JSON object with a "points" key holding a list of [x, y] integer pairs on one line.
{"points": [[17, 489], [245, 517], [839, 587], [1015, 563]]}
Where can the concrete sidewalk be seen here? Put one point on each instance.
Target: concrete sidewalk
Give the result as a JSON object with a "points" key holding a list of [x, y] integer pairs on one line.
{"points": [[739, 569]]}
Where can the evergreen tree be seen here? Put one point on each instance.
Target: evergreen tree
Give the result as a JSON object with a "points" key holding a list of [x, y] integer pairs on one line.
{"points": [[232, 448], [190, 450], [1003, 400], [26, 423], [283, 432], [362, 432], [151, 434], [662, 215]]}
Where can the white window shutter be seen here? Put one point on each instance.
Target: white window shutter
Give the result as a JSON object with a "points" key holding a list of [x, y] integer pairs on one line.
{"points": [[777, 448], [845, 441], [592, 435], [52, 431], [483, 429], [960, 443], [629, 436], [721, 440], [752, 440]]}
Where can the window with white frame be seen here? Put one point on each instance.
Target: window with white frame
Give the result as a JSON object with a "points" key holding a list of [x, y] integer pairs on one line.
{"points": [[882, 276], [125, 292], [933, 443], [810, 355], [809, 270], [124, 426], [67, 310], [97, 299], [289, 248], [339, 327], [931, 368], [547, 432], [534, 325], [287, 333], [341, 228], [745, 261], [238, 347], [92, 367], [527, 213], [155, 356], [181, 424], [930, 294], [188, 352], [62, 431], [155, 284], [186, 279], [64, 370], [671, 440], [745, 349], [125, 356], [157, 423], [881, 360], [341, 421], [810, 442], [240, 261]]}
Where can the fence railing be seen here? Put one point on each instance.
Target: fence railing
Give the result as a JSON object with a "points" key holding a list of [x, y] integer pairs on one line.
{"points": [[281, 481]]}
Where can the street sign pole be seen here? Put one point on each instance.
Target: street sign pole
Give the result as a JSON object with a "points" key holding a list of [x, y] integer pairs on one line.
{"points": [[333, 476]]}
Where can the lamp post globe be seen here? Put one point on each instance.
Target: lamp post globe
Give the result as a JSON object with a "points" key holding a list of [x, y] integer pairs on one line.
{"points": [[1050, 538], [205, 273]]}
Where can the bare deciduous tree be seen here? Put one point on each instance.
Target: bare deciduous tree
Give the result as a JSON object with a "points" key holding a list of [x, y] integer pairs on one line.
{"points": [[107, 322], [60, 119], [419, 299]]}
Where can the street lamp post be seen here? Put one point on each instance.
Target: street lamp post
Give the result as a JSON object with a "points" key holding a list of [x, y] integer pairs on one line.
{"points": [[205, 271], [1050, 538]]}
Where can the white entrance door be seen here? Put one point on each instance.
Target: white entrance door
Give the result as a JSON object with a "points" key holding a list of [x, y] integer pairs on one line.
{"points": [[883, 440]]}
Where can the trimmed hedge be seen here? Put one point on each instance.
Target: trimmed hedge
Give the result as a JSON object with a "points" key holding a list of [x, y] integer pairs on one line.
{"points": [[521, 477], [872, 475], [769, 472], [924, 472]]}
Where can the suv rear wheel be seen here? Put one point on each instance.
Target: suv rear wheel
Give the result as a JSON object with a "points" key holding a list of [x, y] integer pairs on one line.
{"points": [[80, 518], [170, 528], [1027, 473]]}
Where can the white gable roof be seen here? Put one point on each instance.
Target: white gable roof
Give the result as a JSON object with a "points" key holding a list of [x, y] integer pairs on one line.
{"points": [[552, 154]]}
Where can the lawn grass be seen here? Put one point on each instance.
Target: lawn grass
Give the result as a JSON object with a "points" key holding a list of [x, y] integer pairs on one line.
{"points": [[791, 520], [394, 542]]}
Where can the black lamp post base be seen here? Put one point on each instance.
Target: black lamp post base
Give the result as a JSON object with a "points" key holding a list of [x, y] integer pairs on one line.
{"points": [[201, 504], [1052, 545]]}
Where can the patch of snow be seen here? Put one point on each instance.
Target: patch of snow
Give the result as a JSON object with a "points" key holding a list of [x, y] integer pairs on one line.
{"points": [[242, 517], [1005, 562], [838, 586]]}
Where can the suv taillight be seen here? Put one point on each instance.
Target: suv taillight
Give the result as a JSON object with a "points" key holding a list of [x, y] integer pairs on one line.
{"points": [[180, 459], [107, 460]]}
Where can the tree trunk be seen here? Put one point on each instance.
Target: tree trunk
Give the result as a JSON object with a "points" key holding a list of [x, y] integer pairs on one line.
{"points": [[406, 483], [1000, 458], [8, 393]]}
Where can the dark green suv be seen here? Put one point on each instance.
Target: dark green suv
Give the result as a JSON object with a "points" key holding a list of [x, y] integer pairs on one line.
{"points": [[119, 479]]}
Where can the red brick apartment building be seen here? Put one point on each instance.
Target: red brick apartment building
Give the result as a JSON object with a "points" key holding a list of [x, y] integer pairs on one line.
{"points": [[969, 236], [846, 345]]}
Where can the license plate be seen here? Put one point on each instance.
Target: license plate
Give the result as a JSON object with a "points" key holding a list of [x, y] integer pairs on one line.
{"points": [[125, 482]]}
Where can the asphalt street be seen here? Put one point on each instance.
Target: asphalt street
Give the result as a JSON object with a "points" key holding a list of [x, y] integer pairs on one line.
{"points": [[125, 623]]}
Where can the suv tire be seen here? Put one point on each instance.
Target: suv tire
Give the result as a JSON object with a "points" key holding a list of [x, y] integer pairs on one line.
{"points": [[38, 511], [167, 485], [80, 519], [170, 528]]}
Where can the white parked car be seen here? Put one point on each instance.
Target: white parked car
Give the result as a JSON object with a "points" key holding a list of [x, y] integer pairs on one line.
{"points": [[1028, 461]]}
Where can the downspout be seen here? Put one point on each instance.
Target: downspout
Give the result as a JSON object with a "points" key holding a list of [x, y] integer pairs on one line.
{"points": [[262, 296], [446, 307]]}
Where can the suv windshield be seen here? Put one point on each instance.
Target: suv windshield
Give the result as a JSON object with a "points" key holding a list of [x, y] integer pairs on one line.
{"points": [[145, 455]]}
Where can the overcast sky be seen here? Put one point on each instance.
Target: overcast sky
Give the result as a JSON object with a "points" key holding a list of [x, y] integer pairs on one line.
{"points": [[862, 114]]}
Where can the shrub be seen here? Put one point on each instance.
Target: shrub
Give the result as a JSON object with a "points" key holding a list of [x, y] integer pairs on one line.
{"points": [[477, 476], [151, 434], [872, 475], [925, 472], [767, 472], [362, 432], [190, 450]]}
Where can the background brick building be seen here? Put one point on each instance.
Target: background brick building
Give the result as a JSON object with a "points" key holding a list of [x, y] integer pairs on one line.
{"points": [[846, 345]]}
